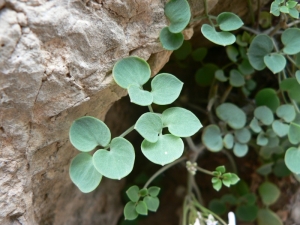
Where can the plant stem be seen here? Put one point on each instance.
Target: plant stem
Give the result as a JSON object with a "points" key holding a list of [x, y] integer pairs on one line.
{"points": [[163, 169], [225, 95], [127, 131], [150, 108], [197, 191], [292, 61], [206, 13], [231, 160], [205, 171], [191, 144], [250, 30], [293, 23]]}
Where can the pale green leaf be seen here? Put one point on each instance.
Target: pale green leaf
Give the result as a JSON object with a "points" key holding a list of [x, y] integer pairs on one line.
{"points": [[275, 62], [267, 97], [286, 112], [247, 213], [139, 96], [170, 41], [232, 53], [116, 163], [88, 132], [152, 203], [265, 169], [291, 41], [280, 128], [292, 159], [234, 179], [221, 169], [269, 193], [131, 70], [266, 216], [294, 13], [212, 139], [83, 173], [199, 54], [141, 208], [219, 75], [221, 38], [254, 125], [217, 185], [228, 141], [264, 114], [240, 150], [284, 9], [133, 193], [229, 21], [275, 9], [297, 75], [232, 115], [180, 122], [165, 88], [236, 79], [130, 212], [242, 135], [261, 139], [153, 191], [294, 133], [167, 149], [245, 67], [205, 75], [291, 4]]}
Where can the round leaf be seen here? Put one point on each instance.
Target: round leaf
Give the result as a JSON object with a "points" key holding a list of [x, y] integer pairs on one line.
{"points": [[165, 88], [266, 216], [199, 54], [243, 135], [116, 163], [281, 129], [275, 62], [232, 115], [264, 114], [254, 125], [291, 41], [205, 75], [260, 46], [228, 141], [131, 70], [232, 53], [269, 193], [170, 41], [286, 112], [167, 149], [294, 133], [139, 96], [261, 139], [221, 38], [247, 213], [229, 21], [141, 208], [267, 97], [292, 159], [245, 67], [236, 79], [219, 75], [83, 173], [152, 203], [240, 150], [88, 132], [265, 169], [130, 212], [212, 139], [217, 206], [179, 14], [180, 122], [133, 193]]}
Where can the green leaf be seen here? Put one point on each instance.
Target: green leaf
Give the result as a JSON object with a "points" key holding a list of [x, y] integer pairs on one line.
{"points": [[240, 150], [294, 13], [217, 206], [205, 75], [229, 21], [280, 169], [261, 139], [275, 9], [286, 112], [199, 54], [131, 70], [167, 149], [240, 42], [143, 192], [228, 141], [88, 132], [133, 193], [234, 179], [266, 216], [130, 212], [221, 38], [179, 14], [264, 114], [247, 198], [236, 79], [280, 128], [265, 169], [291, 41], [219, 75], [83, 173], [284, 9], [170, 41], [260, 46], [292, 87], [116, 163], [275, 62], [294, 133], [291, 4], [141, 208], [269, 193], [152, 203], [292, 159], [250, 85], [254, 125], [247, 213], [165, 88], [267, 97], [212, 139], [232, 53], [267, 151], [221, 169], [153, 191], [184, 51], [245, 67], [279, 1], [180, 122], [232, 115], [242, 135], [229, 199], [149, 125], [139, 96], [297, 75]]}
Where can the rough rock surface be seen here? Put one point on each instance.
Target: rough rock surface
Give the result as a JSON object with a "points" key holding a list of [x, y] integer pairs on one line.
{"points": [[56, 59]]}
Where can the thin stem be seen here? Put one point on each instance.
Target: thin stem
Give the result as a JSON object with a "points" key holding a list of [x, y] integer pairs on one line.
{"points": [[163, 169], [197, 191], [296, 106], [205, 171], [250, 30], [127, 131], [225, 95], [150, 108], [292, 61], [251, 12], [185, 210], [293, 23], [206, 13], [231, 160], [191, 144]]}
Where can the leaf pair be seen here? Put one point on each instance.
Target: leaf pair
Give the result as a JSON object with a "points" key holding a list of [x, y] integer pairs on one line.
{"points": [[86, 171], [289, 7], [133, 72]]}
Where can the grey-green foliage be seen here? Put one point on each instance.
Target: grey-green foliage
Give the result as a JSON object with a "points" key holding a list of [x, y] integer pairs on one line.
{"points": [[288, 7]]}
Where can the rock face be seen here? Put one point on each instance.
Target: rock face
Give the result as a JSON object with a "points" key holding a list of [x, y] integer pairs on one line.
{"points": [[56, 59]]}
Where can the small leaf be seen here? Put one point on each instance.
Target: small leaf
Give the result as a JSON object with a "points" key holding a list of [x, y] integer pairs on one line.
{"points": [[260, 46], [179, 14], [205, 75], [297, 75], [294, 13], [165, 88], [269, 193], [267, 151], [292, 87], [152, 203], [83, 173], [291, 4], [286, 112], [245, 67], [219, 75], [234, 179], [139, 96], [275, 9], [243, 135], [133, 193], [228, 141], [130, 212], [221, 169], [229, 21], [264, 114], [143, 192], [248, 198], [280, 169], [284, 9], [232, 53], [261, 139], [232, 115], [250, 85], [199, 54], [181, 122], [167, 149], [141, 208], [184, 51], [229, 199], [292, 159], [212, 139], [170, 41], [265, 169], [275, 62], [131, 70], [221, 38], [217, 185], [88, 132], [247, 213], [254, 125], [266, 216], [153, 191], [116, 163], [281, 129], [240, 150], [217, 206], [267, 97], [236, 79], [290, 41], [294, 133]]}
